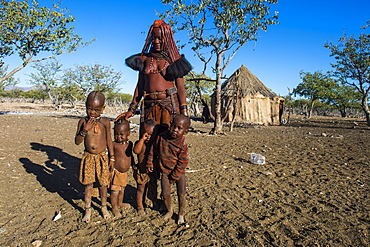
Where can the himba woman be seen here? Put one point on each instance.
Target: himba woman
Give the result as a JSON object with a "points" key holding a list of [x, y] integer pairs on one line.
{"points": [[160, 83]]}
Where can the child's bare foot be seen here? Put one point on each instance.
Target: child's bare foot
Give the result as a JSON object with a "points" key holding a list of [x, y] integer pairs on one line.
{"points": [[181, 220], [124, 205], [105, 212], [168, 215], [148, 202], [116, 212], [140, 210], [87, 215]]}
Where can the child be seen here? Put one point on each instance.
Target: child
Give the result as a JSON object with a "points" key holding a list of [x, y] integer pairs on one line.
{"points": [[94, 131], [142, 147], [123, 160], [171, 151]]}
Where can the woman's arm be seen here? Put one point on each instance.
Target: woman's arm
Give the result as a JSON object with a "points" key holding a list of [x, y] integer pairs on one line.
{"points": [[182, 95], [138, 94]]}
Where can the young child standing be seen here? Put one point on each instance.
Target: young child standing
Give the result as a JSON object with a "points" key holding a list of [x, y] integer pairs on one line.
{"points": [[142, 148], [94, 131], [122, 147], [171, 151]]}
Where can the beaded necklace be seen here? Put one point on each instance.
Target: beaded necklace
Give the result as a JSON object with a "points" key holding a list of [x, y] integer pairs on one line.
{"points": [[123, 142], [152, 71]]}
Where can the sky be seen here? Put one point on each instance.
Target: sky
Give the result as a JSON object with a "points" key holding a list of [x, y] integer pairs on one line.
{"points": [[278, 56]]}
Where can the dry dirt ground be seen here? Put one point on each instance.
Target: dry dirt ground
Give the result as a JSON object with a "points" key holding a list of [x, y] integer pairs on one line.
{"points": [[312, 191]]}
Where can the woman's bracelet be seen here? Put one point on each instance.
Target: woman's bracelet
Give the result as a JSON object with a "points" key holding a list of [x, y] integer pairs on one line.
{"points": [[184, 107]]}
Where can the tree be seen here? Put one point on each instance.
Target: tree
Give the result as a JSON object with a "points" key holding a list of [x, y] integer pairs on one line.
{"points": [[35, 33], [352, 65], [314, 86], [288, 105], [10, 81], [198, 90], [301, 104], [343, 97], [48, 78], [119, 98], [70, 93], [219, 28], [95, 77], [119, 101], [73, 84], [35, 94]]}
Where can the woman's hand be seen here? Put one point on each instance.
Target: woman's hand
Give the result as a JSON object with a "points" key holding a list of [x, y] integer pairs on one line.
{"points": [[125, 115]]}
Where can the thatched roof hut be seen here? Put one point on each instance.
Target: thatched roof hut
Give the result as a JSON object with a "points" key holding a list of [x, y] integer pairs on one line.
{"points": [[256, 103]]}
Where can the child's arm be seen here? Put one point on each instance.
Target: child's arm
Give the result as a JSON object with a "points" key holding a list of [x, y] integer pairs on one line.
{"points": [[181, 94], [182, 163], [149, 163], [79, 134], [109, 144], [132, 156], [82, 129], [140, 144]]}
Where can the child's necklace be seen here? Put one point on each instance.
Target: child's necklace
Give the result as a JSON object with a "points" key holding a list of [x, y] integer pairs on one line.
{"points": [[123, 142], [96, 127]]}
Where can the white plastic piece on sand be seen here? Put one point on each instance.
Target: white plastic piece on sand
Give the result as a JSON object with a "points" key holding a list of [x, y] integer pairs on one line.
{"points": [[58, 216], [257, 159], [37, 243]]}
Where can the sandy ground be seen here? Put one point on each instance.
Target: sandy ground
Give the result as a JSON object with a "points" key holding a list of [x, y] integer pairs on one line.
{"points": [[312, 191]]}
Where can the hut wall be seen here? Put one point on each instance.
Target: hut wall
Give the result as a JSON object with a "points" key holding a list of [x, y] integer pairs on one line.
{"points": [[257, 109]]}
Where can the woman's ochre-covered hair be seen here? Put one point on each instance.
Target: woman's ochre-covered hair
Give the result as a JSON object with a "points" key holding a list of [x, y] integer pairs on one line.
{"points": [[178, 67], [168, 41]]}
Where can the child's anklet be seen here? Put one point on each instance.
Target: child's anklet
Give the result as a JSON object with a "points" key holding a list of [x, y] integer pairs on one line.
{"points": [[88, 208]]}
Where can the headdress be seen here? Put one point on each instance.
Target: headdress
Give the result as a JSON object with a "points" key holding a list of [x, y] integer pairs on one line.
{"points": [[168, 41]]}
